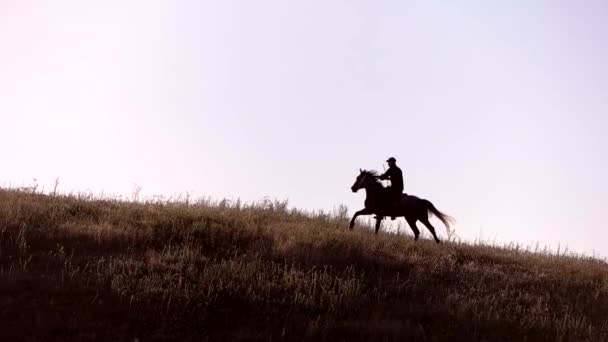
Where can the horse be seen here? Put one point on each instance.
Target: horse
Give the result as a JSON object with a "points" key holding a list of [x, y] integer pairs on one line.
{"points": [[412, 208]]}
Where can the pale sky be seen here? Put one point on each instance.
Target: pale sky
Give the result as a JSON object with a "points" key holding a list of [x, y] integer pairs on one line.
{"points": [[497, 111]]}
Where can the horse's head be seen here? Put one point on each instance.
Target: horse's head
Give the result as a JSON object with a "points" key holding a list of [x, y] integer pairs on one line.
{"points": [[364, 180]]}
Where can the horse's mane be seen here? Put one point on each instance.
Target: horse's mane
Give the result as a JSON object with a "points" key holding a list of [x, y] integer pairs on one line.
{"points": [[373, 174]]}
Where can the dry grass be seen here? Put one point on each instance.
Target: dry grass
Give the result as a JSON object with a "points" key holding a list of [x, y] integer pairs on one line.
{"points": [[106, 270]]}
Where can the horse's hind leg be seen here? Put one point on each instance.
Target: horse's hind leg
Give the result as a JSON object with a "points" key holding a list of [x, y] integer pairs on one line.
{"points": [[430, 227], [412, 224], [378, 220]]}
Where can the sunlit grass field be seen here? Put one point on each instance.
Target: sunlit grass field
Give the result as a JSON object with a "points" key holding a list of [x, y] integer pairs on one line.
{"points": [[93, 269]]}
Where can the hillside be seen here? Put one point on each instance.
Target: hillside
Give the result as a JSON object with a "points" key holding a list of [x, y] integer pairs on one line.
{"points": [[106, 270]]}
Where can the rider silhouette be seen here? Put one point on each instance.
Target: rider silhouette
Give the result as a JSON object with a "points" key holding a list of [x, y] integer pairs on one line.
{"points": [[394, 174]]}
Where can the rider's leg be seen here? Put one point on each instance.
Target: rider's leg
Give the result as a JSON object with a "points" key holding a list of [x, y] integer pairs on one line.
{"points": [[396, 197]]}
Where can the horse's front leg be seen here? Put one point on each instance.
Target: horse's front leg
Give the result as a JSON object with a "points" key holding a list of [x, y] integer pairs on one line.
{"points": [[360, 212], [378, 220]]}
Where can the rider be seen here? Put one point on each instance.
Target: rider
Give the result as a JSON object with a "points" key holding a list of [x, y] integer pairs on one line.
{"points": [[395, 175]]}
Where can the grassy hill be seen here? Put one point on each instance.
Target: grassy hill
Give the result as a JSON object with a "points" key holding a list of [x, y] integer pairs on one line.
{"points": [[105, 270]]}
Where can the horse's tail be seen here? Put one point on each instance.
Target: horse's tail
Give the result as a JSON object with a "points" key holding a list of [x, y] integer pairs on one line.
{"points": [[446, 219]]}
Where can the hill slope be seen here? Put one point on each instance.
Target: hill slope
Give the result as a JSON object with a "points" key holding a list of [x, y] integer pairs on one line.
{"points": [[97, 270]]}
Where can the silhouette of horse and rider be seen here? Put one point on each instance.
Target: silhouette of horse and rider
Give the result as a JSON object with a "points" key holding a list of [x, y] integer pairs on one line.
{"points": [[391, 201]]}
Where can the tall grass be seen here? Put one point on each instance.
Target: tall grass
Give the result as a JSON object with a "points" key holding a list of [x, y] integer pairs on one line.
{"points": [[95, 269]]}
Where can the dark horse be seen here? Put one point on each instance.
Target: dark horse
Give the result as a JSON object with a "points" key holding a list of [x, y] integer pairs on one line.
{"points": [[411, 207]]}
